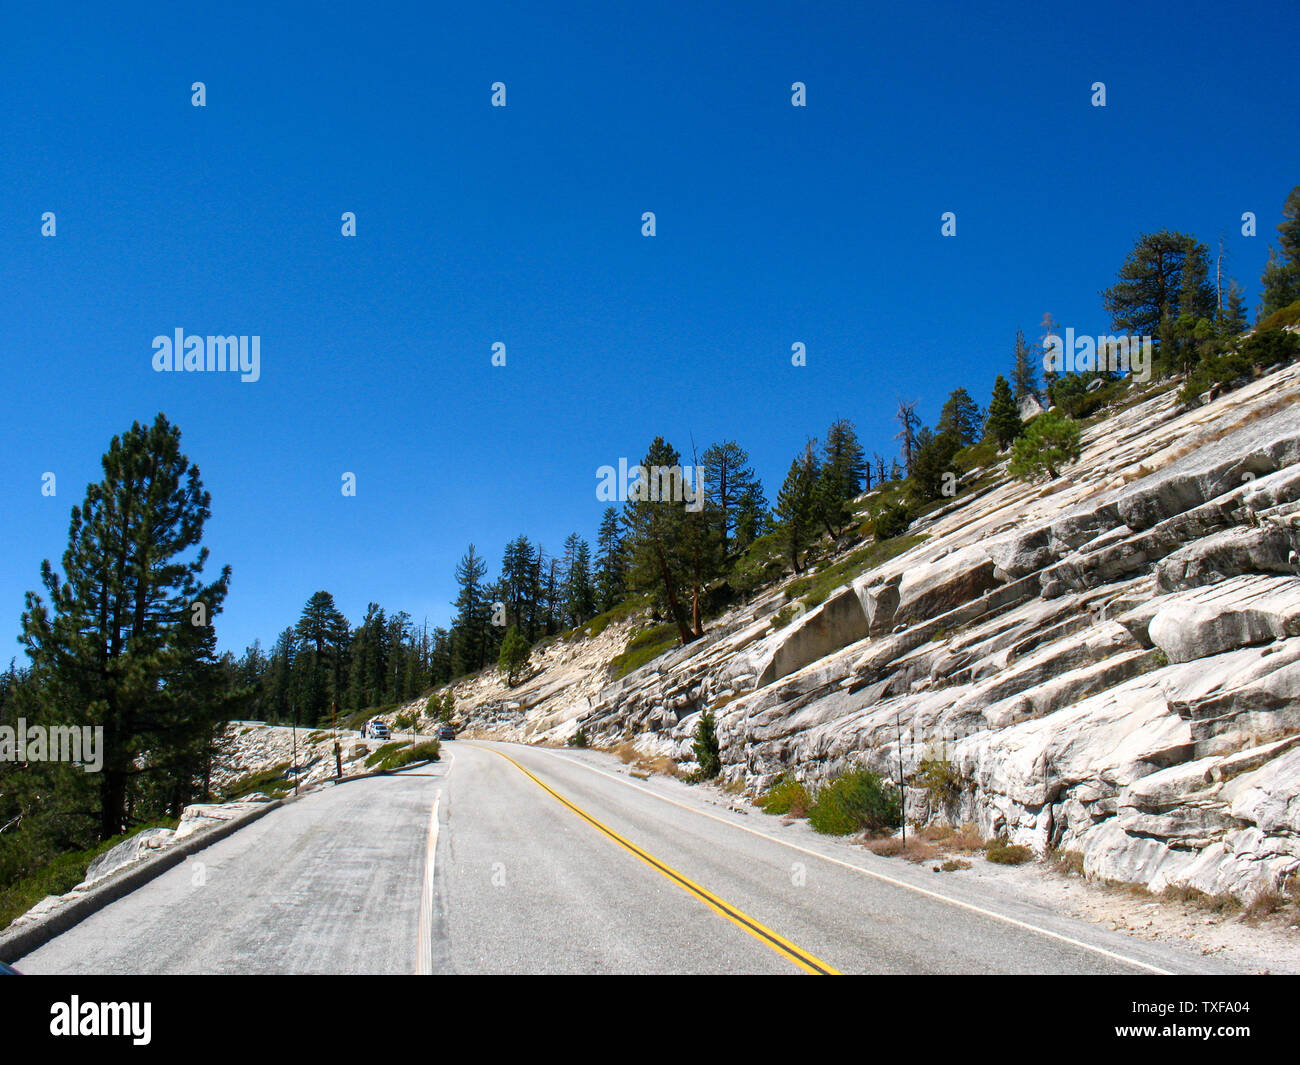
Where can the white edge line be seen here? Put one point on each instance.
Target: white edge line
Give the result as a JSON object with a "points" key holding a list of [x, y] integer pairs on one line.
{"points": [[424, 947], [871, 872]]}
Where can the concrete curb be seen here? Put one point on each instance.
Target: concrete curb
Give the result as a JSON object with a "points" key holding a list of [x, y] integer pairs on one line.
{"points": [[21, 941]]}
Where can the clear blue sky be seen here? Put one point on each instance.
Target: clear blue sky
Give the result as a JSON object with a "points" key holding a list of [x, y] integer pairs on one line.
{"points": [[522, 225]]}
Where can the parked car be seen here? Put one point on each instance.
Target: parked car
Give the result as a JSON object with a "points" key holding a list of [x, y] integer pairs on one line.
{"points": [[446, 732], [376, 730]]}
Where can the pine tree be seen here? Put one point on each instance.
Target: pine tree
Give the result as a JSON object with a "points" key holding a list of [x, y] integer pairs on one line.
{"points": [[830, 506], [1024, 370], [1279, 284], [580, 592], [654, 517], [1049, 328], [1051, 441], [517, 566], [118, 645], [473, 615], [796, 505], [961, 419], [702, 551], [322, 659], [1196, 308], [514, 656], [1232, 322], [706, 748], [1004, 423], [752, 518], [933, 461], [611, 561], [728, 478], [1145, 299], [844, 456], [440, 656], [280, 686]]}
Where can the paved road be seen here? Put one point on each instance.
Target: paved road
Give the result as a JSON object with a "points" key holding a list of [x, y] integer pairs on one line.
{"points": [[543, 861]]}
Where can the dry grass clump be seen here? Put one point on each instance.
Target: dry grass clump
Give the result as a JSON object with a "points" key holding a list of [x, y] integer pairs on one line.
{"points": [[916, 850], [1224, 905], [928, 843], [1265, 904], [660, 763], [1068, 863]]}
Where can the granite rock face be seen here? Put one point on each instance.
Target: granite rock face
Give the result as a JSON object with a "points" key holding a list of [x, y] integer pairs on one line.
{"points": [[1110, 665]]}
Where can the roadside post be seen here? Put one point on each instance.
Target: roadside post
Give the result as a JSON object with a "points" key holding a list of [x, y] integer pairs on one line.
{"points": [[338, 753], [902, 793]]}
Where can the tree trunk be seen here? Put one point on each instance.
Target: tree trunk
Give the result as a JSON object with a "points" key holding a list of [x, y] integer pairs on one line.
{"points": [[684, 632]]}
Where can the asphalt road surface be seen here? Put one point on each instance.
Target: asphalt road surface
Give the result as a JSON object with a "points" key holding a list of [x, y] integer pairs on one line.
{"points": [[510, 859]]}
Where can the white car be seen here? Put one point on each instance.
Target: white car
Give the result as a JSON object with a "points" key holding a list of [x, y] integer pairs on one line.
{"points": [[376, 730]]}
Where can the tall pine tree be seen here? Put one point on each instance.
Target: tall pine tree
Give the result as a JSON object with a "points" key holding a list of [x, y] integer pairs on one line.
{"points": [[125, 640]]}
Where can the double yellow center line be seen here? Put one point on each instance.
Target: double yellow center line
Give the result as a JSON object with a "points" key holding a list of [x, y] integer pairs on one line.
{"points": [[808, 962]]}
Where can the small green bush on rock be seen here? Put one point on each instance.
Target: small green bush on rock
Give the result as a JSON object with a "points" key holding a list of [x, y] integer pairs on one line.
{"points": [[856, 801], [787, 796]]}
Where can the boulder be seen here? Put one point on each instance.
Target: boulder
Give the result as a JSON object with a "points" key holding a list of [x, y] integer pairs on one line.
{"points": [[927, 589], [1021, 553], [1030, 407], [1262, 446], [139, 846], [1229, 553], [1239, 612], [834, 624]]}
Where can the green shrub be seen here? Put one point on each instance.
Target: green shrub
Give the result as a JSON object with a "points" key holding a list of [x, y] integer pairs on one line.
{"points": [[893, 520], [579, 738], [985, 453], [1001, 852], [380, 753], [706, 748], [646, 645], [787, 796], [856, 801], [941, 779], [1289, 315], [270, 782], [1052, 440], [653, 636], [1260, 351], [394, 759], [787, 614], [1085, 404]]}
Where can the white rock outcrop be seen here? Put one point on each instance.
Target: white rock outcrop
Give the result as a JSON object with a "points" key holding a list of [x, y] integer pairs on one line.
{"points": [[1110, 665]]}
